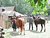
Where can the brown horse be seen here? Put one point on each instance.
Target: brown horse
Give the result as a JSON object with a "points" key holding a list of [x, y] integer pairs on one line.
{"points": [[20, 23], [39, 21]]}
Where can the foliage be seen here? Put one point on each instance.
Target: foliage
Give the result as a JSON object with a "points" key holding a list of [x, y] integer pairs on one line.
{"points": [[39, 6], [8, 2], [23, 7]]}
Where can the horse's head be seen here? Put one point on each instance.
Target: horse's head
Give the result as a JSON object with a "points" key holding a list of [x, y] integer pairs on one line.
{"points": [[33, 17]]}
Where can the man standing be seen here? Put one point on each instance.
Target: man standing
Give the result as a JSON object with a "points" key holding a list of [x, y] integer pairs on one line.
{"points": [[30, 22]]}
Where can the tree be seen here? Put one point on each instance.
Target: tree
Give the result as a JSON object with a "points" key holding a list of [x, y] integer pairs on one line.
{"points": [[39, 6], [23, 7], [8, 2]]}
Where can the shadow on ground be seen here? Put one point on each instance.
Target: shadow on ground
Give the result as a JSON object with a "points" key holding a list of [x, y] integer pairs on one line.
{"points": [[34, 31]]}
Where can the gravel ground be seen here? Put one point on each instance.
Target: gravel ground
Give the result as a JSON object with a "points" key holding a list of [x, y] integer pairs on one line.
{"points": [[28, 33]]}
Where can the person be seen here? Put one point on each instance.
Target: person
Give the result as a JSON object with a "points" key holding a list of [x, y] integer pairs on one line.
{"points": [[14, 25], [30, 22]]}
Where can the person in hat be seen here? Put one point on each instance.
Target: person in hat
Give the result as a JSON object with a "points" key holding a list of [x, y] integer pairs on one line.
{"points": [[14, 24]]}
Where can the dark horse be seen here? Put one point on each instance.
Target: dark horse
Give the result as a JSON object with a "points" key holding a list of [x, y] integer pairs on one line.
{"points": [[39, 21]]}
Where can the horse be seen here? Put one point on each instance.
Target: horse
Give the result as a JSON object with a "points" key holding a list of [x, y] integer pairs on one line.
{"points": [[20, 24], [39, 21]]}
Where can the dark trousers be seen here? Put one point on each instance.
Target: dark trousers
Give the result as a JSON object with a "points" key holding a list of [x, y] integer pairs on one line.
{"points": [[30, 24], [14, 27]]}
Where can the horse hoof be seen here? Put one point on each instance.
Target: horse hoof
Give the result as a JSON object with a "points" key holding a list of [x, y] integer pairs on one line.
{"points": [[44, 31], [36, 30], [20, 33], [24, 33], [40, 31]]}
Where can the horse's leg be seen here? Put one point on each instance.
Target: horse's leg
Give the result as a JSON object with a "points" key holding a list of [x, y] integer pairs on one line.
{"points": [[29, 26], [36, 27], [20, 30], [24, 30], [32, 26], [44, 28], [41, 28]]}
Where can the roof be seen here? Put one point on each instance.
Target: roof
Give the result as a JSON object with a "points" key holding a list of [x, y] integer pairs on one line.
{"points": [[11, 13]]}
